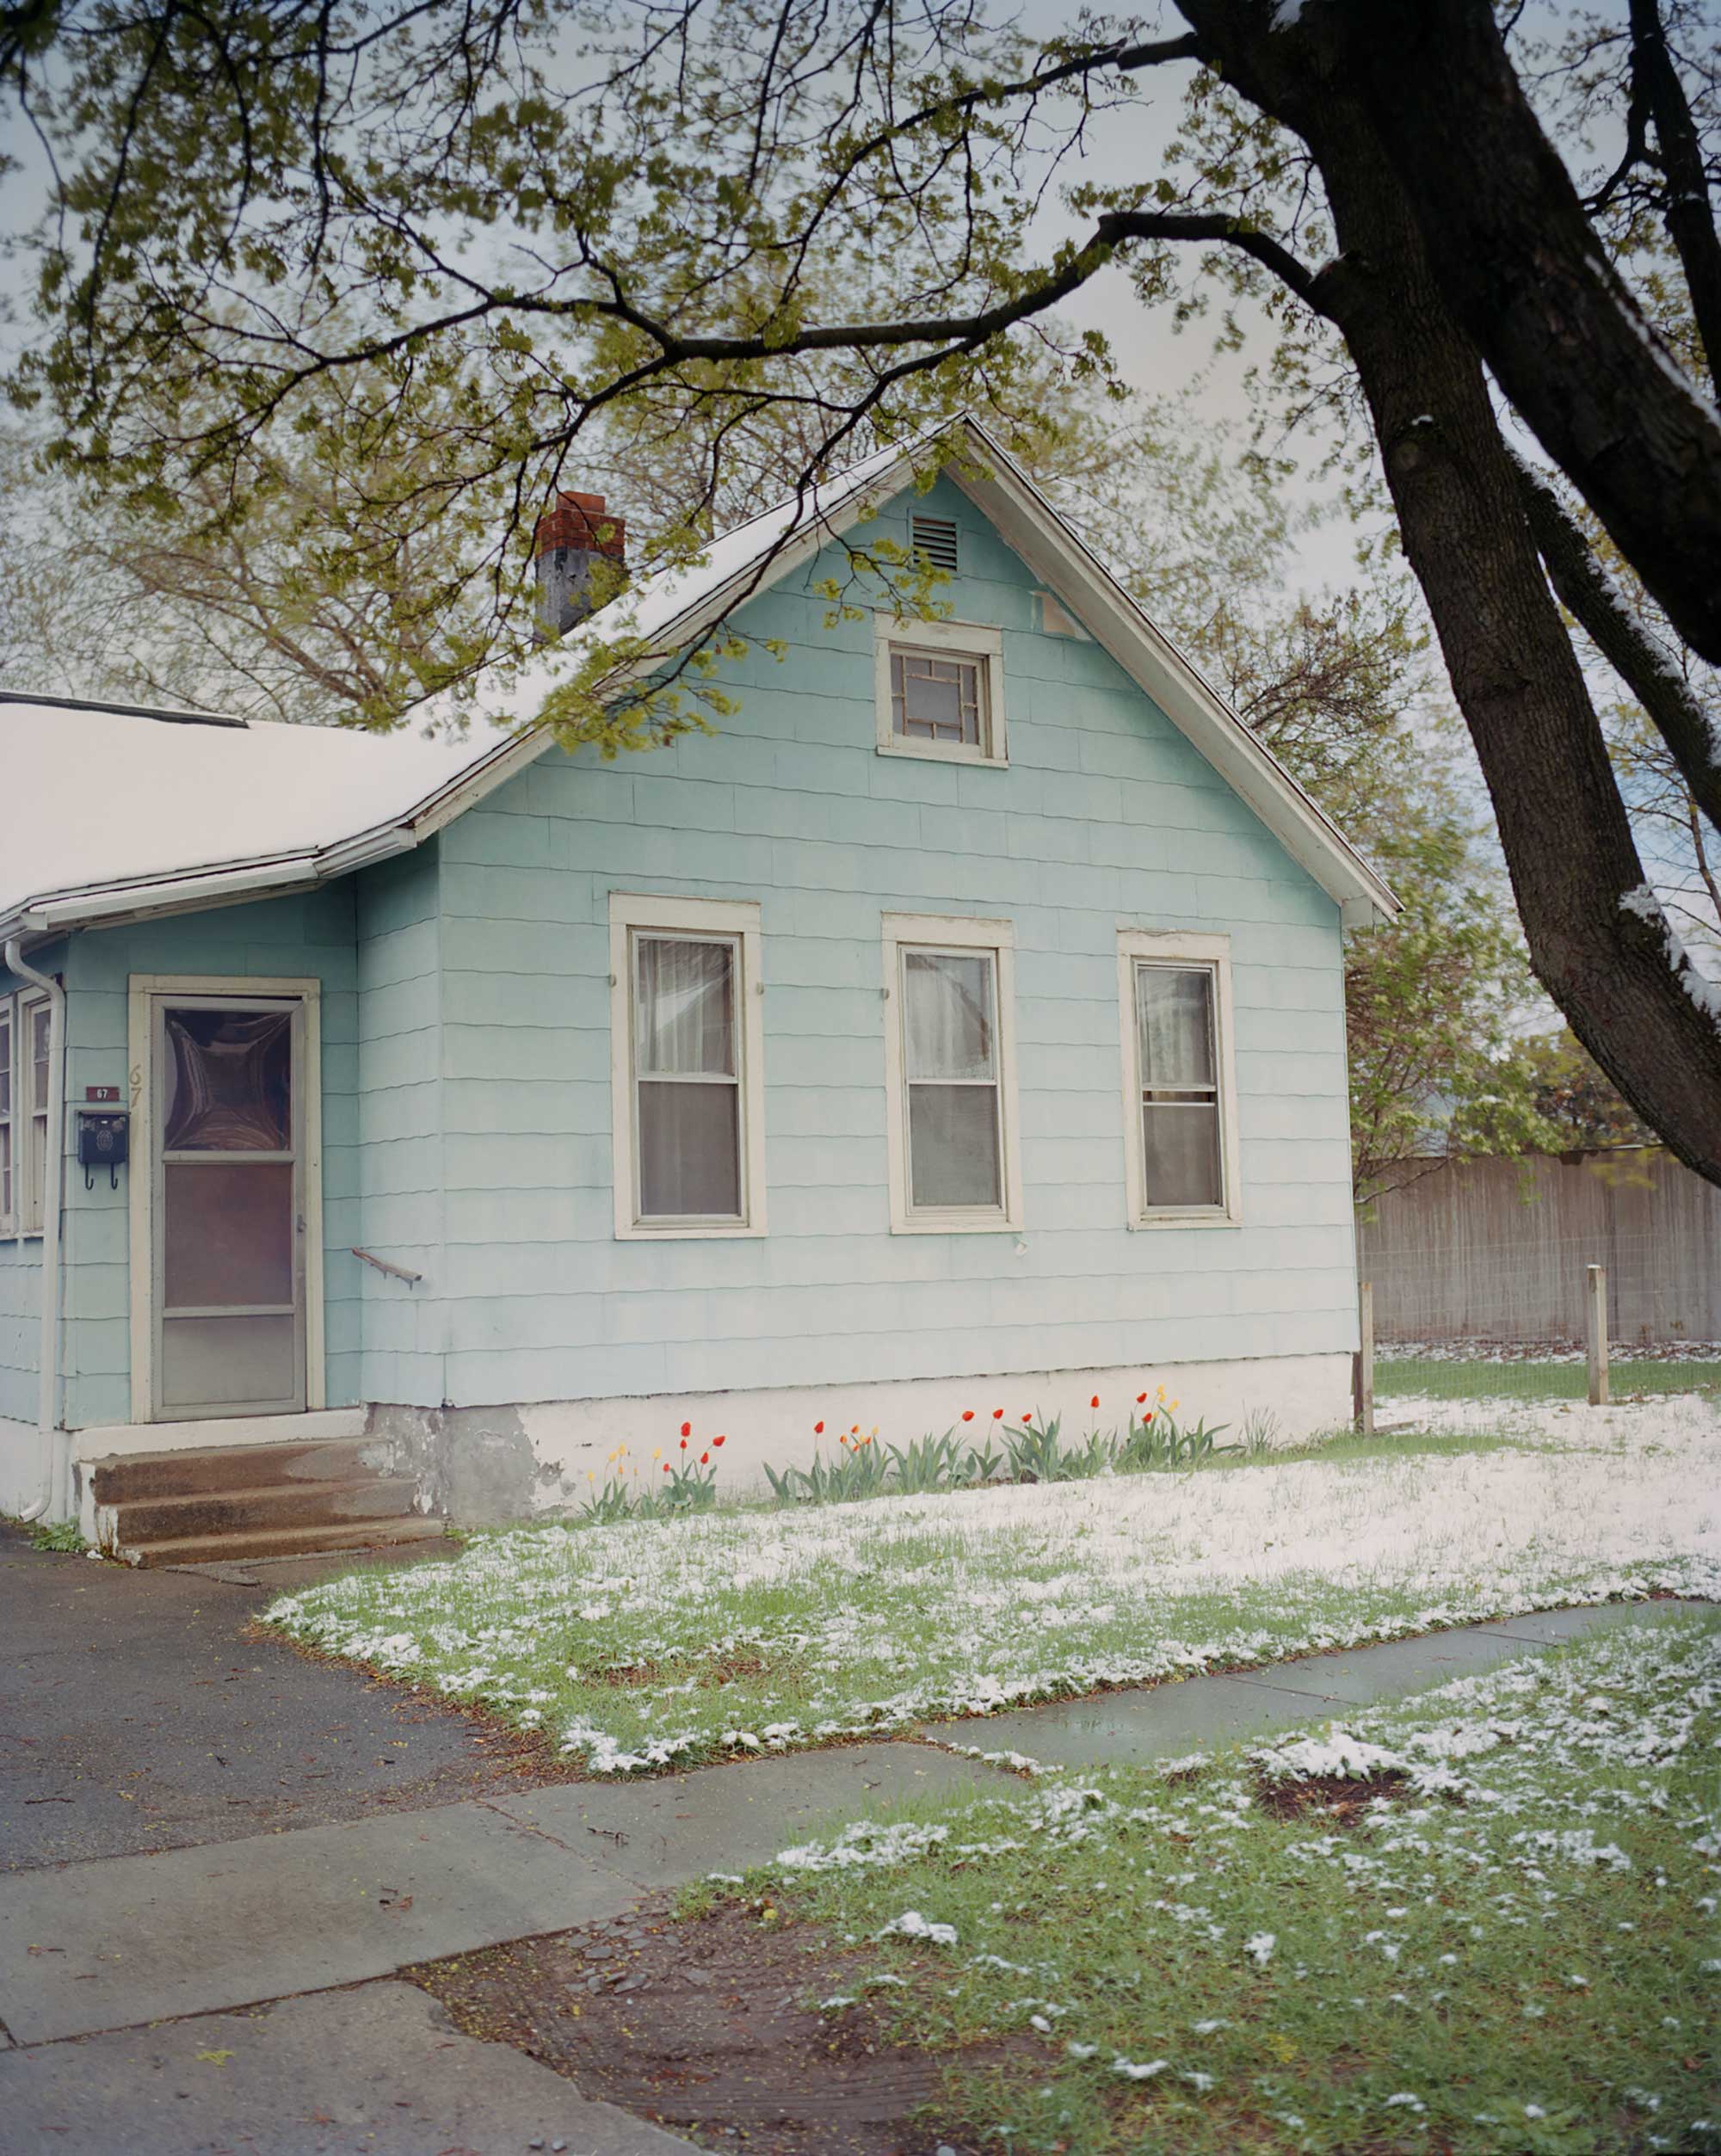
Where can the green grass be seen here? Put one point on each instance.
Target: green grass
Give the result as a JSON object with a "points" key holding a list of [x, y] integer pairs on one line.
{"points": [[1451, 1947], [651, 1644], [1424, 1378]]}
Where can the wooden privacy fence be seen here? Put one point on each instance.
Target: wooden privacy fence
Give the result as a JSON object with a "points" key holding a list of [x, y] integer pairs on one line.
{"points": [[1496, 1251]]}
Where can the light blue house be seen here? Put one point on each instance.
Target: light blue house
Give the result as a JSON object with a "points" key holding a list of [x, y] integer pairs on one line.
{"points": [[958, 1027]]}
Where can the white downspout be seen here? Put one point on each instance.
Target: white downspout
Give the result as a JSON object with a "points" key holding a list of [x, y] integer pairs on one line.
{"points": [[49, 1479]]}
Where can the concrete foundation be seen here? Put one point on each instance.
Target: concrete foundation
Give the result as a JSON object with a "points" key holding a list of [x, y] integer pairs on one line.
{"points": [[481, 1465]]}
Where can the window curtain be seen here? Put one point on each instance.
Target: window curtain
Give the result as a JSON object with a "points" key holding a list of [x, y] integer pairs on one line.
{"points": [[1180, 1115], [688, 1101], [948, 1043]]}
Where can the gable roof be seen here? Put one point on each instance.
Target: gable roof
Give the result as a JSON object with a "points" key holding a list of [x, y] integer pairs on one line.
{"points": [[131, 811]]}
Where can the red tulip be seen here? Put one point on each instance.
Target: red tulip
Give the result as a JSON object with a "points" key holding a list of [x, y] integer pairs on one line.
{"points": [[1139, 1398], [684, 1444], [967, 1415], [687, 1429], [1148, 1417], [704, 1459], [1094, 1401], [818, 1429], [717, 1440], [666, 1467], [998, 1414], [1028, 1418]]}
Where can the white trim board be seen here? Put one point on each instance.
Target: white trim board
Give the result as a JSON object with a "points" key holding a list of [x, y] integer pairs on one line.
{"points": [[952, 932], [970, 640], [1212, 954], [733, 920]]}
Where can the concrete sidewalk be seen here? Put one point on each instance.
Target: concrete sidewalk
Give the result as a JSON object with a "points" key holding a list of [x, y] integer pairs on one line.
{"points": [[1203, 1714], [92, 1950]]}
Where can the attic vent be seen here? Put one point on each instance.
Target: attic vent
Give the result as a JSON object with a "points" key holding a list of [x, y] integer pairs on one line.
{"points": [[935, 539]]}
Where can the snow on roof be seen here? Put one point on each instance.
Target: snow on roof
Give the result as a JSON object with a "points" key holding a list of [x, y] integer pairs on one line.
{"points": [[126, 812], [104, 798], [119, 801]]}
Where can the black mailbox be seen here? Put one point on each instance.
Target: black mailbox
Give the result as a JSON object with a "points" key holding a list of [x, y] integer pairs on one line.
{"points": [[102, 1135]]}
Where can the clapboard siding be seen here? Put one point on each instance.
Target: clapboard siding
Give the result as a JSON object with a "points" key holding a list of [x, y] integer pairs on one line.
{"points": [[466, 1052], [401, 1105], [1105, 819], [21, 1260], [308, 937]]}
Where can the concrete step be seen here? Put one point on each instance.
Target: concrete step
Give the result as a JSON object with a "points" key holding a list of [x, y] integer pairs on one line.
{"points": [[283, 1541], [131, 1476], [223, 1511]]}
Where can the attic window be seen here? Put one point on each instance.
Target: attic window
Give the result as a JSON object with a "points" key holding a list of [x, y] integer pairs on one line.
{"points": [[941, 689], [934, 538]]}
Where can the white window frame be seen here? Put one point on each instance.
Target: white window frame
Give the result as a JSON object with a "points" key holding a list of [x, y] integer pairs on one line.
{"points": [[967, 640], [733, 920], [9, 1116], [1190, 952], [955, 932], [29, 1157]]}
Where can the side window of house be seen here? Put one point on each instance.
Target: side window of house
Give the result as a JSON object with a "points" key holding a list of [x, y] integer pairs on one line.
{"points": [[950, 1063], [940, 690], [1179, 1090], [35, 1020], [7, 1195], [687, 1062]]}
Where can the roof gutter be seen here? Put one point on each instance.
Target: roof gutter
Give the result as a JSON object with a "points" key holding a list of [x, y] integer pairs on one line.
{"points": [[46, 917], [52, 1444]]}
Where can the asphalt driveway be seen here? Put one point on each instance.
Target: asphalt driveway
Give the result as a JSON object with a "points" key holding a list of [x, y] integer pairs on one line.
{"points": [[136, 1714]]}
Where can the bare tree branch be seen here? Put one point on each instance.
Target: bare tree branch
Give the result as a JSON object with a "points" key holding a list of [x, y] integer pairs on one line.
{"points": [[1687, 215], [1585, 591]]}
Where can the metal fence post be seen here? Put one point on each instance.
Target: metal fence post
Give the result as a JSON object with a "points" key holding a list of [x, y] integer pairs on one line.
{"points": [[1596, 1326], [1362, 1377]]}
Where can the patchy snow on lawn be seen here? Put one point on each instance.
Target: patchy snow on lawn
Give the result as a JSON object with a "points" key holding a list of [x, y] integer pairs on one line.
{"points": [[649, 1644], [1514, 1918], [1688, 1422]]}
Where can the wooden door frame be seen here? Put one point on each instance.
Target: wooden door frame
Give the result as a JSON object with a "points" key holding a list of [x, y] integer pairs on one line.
{"points": [[143, 992]]}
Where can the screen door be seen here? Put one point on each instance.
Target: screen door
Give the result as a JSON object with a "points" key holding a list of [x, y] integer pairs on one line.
{"points": [[229, 1206]]}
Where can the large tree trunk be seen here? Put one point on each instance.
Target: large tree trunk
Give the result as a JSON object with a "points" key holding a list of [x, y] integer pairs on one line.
{"points": [[1564, 828], [1522, 271]]}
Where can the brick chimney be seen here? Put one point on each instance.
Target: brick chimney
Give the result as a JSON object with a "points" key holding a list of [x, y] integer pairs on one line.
{"points": [[570, 539]]}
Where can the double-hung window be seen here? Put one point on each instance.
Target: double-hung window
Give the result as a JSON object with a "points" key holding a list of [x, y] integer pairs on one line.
{"points": [[954, 1159], [35, 1020], [8, 1194], [1180, 1092], [687, 1067], [940, 690]]}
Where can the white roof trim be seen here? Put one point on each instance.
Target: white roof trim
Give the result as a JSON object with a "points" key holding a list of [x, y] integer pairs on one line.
{"points": [[1022, 515], [678, 607]]}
